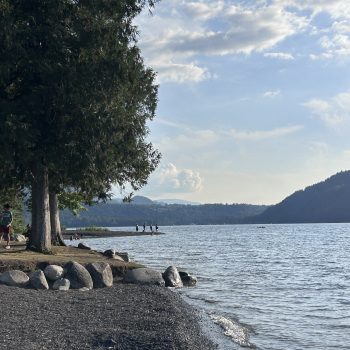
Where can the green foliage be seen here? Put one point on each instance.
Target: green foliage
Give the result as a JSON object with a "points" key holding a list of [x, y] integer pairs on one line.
{"points": [[71, 200], [108, 214], [327, 201], [75, 97], [74, 94], [95, 228]]}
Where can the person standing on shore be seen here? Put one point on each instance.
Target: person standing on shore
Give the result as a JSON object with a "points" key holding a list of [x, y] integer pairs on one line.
{"points": [[5, 225], [144, 227], [137, 228]]}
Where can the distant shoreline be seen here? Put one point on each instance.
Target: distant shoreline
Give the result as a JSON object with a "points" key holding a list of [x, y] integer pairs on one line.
{"points": [[107, 233]]}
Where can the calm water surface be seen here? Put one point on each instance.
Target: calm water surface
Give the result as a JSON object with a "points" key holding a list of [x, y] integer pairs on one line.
{"points": [[273, 288]]}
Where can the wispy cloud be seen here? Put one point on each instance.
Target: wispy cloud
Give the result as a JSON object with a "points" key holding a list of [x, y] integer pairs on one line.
{"points": [[258, 135], [271, 94], [179, 72], [280, 55], [182, 31], [172, 124], [334, 112]]}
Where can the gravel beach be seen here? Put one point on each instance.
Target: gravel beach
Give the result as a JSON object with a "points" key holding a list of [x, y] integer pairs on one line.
{"points": [[124, 317]]}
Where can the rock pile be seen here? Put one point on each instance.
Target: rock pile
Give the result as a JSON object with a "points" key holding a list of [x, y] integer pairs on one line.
{"points": [[72, 276], [170, 278], [94, 275]]}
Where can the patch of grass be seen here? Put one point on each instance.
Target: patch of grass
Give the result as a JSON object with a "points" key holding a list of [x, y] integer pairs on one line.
{"points": [[19, 258], [94, 228]]}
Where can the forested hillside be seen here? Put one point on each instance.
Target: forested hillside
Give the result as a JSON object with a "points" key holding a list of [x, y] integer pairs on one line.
{"points": [[112, 214], [327, 201]]}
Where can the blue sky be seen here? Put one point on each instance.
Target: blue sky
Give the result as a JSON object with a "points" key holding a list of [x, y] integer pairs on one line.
{"points": [[254, 97]]}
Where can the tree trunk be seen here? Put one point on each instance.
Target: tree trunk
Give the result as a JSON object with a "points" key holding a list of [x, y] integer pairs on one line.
{"points": [[41, 228], [31, 240], [56, 232]]}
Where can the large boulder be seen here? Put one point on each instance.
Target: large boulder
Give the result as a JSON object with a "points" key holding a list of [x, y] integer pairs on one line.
{"points": [[109, 253], [144, 276], [118, 258], [83, 245], [121, 256], [19, 238], [101, 274], [61, 284], [53, 272], [38, 280], [124, 256], [187, 279], [78, 276], [172, 278], [14, 278]]}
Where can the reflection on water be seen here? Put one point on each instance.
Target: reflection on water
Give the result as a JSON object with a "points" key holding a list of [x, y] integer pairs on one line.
{"points": [[288, 283]]}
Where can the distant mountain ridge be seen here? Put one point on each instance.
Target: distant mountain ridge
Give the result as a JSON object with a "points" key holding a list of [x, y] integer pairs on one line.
{"points": [[149, 212], [177, 201], [326, 201], [142, 200]]}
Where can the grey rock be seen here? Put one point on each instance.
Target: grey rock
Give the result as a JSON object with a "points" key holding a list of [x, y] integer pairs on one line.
{"points": [[124, 256], [101, 274], [144, 276], [14, 278], [119, 258], [38, 280], [61, 284], [53, 272], [172, 278], [84, 246], [78, 276], [110, 253], [19, 238], [187, 279]]}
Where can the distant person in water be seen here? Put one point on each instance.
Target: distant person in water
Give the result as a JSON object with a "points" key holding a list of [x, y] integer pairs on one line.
{"points": [[151, 228], [157, 227], [5, 225], [137, 228], [144, 227]]}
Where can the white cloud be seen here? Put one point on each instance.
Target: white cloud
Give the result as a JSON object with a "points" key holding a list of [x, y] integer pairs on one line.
{"points": [[258, 135], [334, 112], [169, 179], [336, 43], [271, 94], [241, 30], [280, 55], [190, 140], [180, 32], [179, 72], [335, 8]]}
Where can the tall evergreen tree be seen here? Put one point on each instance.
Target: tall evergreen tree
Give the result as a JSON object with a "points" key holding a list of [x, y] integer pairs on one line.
{"points": [[75, 98]]}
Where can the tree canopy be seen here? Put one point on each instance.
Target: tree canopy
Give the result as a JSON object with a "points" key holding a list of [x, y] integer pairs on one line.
{"points": [[75, 98]]}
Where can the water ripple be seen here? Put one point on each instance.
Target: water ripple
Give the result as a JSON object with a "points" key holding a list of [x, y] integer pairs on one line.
{"points": [[290, 283]]}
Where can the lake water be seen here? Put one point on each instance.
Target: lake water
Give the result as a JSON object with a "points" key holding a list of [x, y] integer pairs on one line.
{"points": [[274, 288]]}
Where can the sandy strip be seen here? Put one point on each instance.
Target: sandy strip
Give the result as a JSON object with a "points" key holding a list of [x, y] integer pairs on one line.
{"points": [[103, 234]]}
